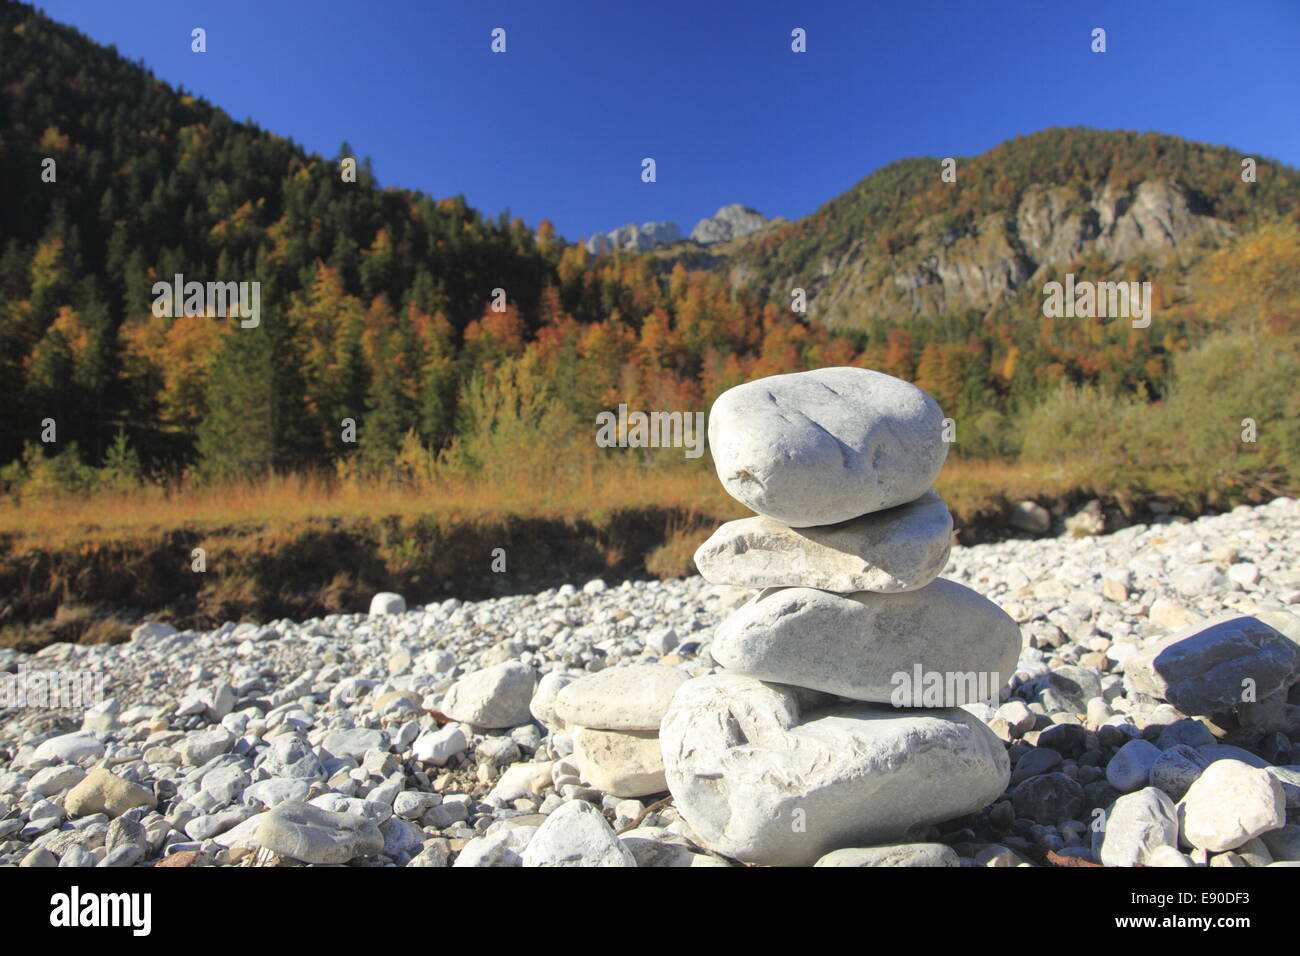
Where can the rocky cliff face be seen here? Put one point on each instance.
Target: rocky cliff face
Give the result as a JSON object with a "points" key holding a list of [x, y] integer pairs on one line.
{"points": [[729, 222], [942, 272], [634, 238]]}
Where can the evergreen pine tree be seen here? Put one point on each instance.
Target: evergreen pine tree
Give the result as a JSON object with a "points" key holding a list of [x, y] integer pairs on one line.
{"points": [[255, 420]]}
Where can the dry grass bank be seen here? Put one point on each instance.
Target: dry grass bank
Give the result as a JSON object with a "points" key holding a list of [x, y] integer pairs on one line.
{"points": [[83, 568]]}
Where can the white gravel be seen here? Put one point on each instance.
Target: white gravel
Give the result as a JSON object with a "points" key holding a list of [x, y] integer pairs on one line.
{"points": [[203, 732]]}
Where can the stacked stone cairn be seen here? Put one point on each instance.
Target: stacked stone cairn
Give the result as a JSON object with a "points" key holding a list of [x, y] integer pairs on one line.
{"points": [[612, 717], [836, 721]]}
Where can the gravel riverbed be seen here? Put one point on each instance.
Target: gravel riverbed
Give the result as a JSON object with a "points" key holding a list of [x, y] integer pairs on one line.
{"points": [[335, 740]]}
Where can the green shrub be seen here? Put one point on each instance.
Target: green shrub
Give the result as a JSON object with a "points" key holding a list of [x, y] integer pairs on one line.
{"points": [[39, 475], [1072, 423], [121, 471]]}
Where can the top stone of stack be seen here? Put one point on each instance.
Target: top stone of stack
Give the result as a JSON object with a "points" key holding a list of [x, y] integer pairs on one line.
{"points": [[826, 446]]}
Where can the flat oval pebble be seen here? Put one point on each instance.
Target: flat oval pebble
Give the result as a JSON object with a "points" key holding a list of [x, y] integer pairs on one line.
{"points": [[900, 549], [821, 447], [855, 645], [620, 698], [760, 781], [312, 835]]}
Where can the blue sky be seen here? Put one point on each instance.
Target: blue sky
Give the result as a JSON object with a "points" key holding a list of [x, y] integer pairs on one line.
{"points": [[558, 125]]}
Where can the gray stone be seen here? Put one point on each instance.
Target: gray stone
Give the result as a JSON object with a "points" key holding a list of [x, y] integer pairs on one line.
{"points": [[313, 835], [1197, 580], [413, 804], [1255, 852], [620, 698], [624, 763], [128, 855], [224, 784], [1087, 520], [1050, 799], [70, 748], [642, 238], [438, 661], [77, 856], [542, 706], [1034, 763], [1176, 769], [1130, 768], [1168, 856], [1201, 670], [899, 854], [1229, 804], [40, 857], [497, 751], [576, 834], [1069, 740], [997, 855], [386, 602], [152, 630], [55, 779], [201, 746], [209, 825], [355, 742], [358, 806], [1283, 843], [503, 848], [401, 839], [292, 756], [1071, 687], [1213, 752], [1193, 733], [276, 790], [436, 852], [532, 777], [658, 847], [125, 831], [900, 549], [44, 815], [1289, 778], [1030, 516], [440, 746], [243, 835], [744, 765], [497, 696], [1017, 715], [869, 646], [103, 716], [821, 447], [1136, 825], [662, 640]]}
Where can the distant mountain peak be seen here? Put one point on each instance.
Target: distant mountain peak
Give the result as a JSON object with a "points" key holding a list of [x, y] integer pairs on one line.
{"points": [[635, 238], [729, 222]]}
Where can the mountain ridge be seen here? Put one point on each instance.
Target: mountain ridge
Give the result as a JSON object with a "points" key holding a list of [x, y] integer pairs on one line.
{"points": [[901, 244]]}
